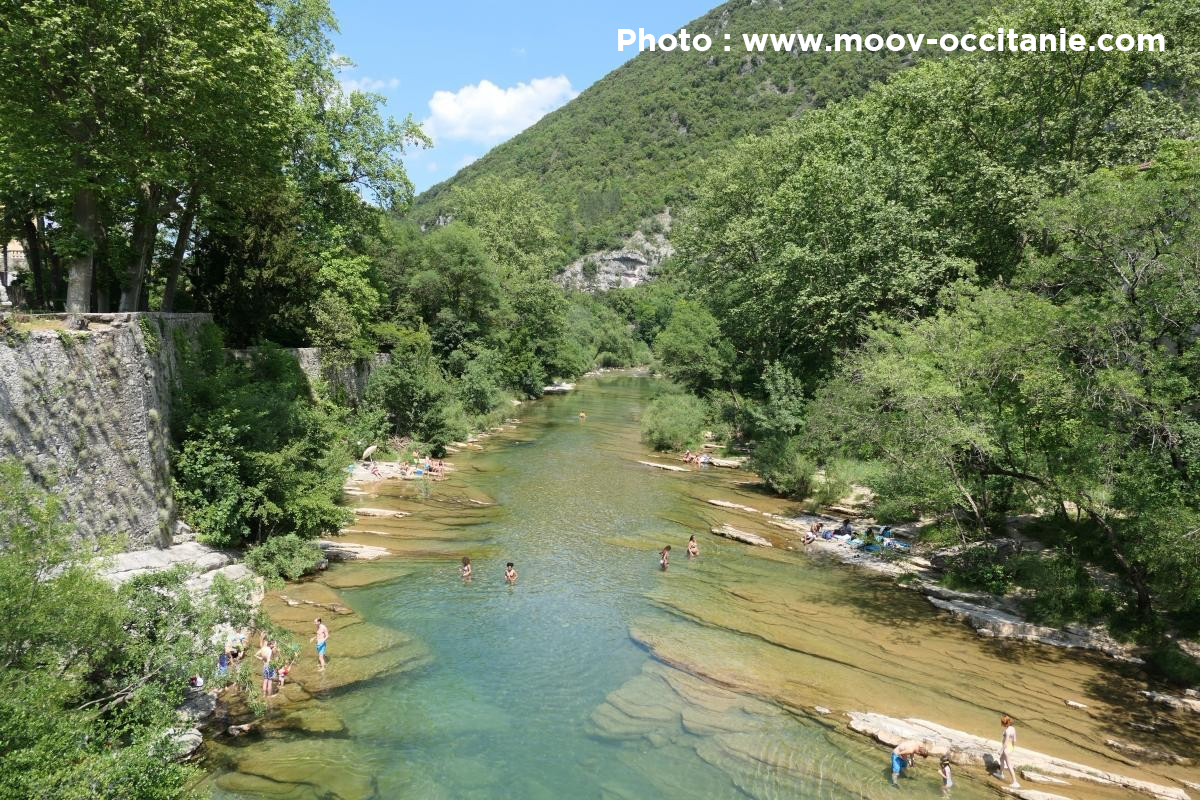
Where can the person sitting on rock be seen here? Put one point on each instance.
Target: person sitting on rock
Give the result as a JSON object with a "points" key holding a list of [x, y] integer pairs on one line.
{"points": [[846, 529]]}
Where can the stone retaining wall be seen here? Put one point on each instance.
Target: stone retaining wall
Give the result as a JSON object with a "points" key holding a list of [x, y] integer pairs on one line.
{"points": [[87, 414]]}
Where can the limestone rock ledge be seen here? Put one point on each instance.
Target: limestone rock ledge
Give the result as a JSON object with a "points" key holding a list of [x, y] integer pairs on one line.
{"points": [[966, 748], [1001, 625]]}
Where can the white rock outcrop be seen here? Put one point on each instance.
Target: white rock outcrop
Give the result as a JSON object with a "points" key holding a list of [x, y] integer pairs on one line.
{"points": [[969, 749], [1002, 625]]}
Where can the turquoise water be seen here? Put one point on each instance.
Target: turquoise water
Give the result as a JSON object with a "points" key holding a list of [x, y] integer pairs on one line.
{"points": [[598, 675]]}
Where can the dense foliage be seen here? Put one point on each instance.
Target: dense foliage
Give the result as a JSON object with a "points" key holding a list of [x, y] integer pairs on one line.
{"points": [[286, 557], [256, 454], [873, 206], [990, 293], [673, 421], [637, 141], [198, 155], [90, 675]]}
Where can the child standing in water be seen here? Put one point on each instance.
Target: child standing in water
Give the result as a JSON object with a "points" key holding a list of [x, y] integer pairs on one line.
{"points": [[944, 771], [510, 574], [664, 557], [693, 548], [465, 570]]}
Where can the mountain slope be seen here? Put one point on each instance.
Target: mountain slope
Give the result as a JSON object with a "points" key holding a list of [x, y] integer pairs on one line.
{"points": [[634, 142]]}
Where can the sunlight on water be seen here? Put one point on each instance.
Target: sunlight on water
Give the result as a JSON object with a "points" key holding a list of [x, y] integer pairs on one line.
{"points": [[600, 676]]}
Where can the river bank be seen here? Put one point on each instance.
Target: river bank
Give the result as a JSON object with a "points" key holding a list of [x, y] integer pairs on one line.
{"points": [[600, 675]]}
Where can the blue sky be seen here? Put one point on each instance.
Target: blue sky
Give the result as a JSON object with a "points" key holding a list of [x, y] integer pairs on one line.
{"points": [[479, 72]]}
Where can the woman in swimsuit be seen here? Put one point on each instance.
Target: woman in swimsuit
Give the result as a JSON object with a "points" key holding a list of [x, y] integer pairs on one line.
{"points": [[510, 574], [664, 557], [1008, 743], [465, 570], [693, 549]]}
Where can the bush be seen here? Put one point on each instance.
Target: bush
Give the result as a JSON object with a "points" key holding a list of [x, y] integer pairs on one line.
{"points": [[255, 454], [980, 567], [284, 558], [673, 421], [782, 464], [416, 396], [479, 387], [1061, 590]]}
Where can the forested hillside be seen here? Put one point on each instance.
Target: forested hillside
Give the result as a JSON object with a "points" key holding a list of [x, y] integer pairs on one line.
{"points": [[973, 289], [636, 141]]}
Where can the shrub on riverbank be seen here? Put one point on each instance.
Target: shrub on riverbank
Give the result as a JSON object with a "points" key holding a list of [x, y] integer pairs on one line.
{"points": [[674, 421], [255, 454], [91, 674], [781, 463], [284, 558]]}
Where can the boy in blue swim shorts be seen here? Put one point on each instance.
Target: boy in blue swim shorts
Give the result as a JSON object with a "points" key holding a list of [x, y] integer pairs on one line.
{"points": [[902, 756], [322, 640]]}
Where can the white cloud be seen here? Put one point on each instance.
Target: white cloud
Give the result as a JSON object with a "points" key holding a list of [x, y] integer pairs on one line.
{"points": [[484, 112], [432, 166], [367, 84]]}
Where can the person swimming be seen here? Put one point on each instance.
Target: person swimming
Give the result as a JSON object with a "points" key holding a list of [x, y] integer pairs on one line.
{"points": [[465, 569], [664, 557], [510, 574], [693, 549]]}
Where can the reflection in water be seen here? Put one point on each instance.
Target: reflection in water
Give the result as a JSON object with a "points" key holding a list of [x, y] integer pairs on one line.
{"points": [[600, 676]]}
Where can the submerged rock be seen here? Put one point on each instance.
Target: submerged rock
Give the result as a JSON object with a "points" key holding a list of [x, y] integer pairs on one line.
{"points": [[667, 467], [380, 512], [348, 551], [730, 532], [1137, 751], [1002, 625]]}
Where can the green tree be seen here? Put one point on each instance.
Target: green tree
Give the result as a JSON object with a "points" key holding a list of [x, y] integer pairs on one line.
{"points": [[90, 675], [691, 348], [255, 454]]}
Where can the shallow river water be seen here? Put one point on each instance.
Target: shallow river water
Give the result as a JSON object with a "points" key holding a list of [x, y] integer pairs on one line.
{"points": [[599, 676]]}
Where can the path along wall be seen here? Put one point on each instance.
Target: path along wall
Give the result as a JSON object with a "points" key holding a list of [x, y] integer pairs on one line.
{"points": [[87, 413]]}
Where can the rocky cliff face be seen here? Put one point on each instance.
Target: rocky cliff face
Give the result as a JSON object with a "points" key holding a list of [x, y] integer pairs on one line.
{"points": [[87, 414], [634, 263]]}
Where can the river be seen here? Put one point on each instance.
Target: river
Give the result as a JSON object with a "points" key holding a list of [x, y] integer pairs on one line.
{"points": [[600, 676]]}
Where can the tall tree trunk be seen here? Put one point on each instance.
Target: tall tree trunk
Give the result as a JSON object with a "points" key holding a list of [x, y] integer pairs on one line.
{"points": [[85, 214], [181, 242], [145, 231], [33, 254]]}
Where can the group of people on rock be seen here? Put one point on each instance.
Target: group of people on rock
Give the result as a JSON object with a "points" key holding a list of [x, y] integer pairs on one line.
{"points": [[904, 753], [698, 459], [276, 665], [433, 467], [873, 539], [466, 572]]}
